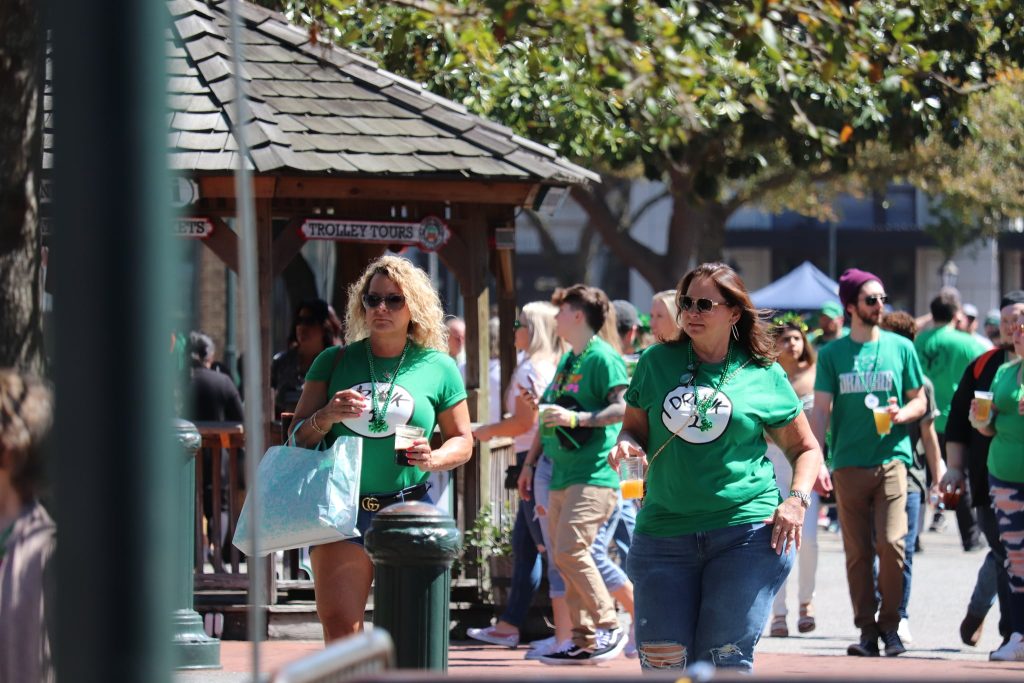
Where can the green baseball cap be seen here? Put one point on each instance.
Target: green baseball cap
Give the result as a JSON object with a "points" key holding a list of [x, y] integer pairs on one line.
{"points": [[832, 309]]}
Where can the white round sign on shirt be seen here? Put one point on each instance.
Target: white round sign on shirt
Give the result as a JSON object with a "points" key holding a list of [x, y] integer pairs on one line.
{"points": [[399, 412], [678, 411]]}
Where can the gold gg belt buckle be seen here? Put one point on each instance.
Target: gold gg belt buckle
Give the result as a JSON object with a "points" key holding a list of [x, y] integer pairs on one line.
{"points": [[370, 504]]}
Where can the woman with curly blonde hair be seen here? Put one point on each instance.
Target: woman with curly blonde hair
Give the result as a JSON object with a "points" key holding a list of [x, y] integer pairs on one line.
{"points": [[394, 371]]}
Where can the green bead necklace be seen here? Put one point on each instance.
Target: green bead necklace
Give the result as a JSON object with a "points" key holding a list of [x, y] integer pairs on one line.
{"points": [[703, 405], [378, 413]]}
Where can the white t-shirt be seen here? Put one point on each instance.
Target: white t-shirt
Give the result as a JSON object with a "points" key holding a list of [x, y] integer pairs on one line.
{"points": [[542, 374]]}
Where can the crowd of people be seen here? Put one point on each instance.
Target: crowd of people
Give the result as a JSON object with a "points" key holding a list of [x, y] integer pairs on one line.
{"points": [[744, 422], [750, 425]]}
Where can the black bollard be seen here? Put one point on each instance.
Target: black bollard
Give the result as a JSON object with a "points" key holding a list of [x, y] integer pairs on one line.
{"points": [[412, 546]]}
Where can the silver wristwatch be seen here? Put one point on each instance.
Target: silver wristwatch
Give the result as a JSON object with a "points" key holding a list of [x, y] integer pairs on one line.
{"points": [[805, 498]]}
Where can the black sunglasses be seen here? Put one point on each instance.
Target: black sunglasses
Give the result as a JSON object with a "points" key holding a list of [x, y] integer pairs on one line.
{"points": [[703, 305], [394, 302], [308, 320], [873, 299]]}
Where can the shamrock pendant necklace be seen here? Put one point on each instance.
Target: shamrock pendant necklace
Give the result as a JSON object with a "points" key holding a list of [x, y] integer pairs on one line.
{"points": [[703, 405], [378, 413]]}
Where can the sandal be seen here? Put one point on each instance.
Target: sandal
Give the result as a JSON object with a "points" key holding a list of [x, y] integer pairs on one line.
{"points": [[779, 628], [805, 624]]}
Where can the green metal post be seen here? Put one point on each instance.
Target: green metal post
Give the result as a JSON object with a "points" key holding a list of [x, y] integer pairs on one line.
{"points": [[193, 649], [412, 546]]}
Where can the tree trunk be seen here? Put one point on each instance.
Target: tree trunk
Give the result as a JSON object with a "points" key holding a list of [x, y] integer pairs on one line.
{"points": [[21, 69]]}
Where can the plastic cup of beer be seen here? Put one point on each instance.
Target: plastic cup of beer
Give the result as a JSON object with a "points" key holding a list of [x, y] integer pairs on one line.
{"points": [[883, 420], [983, 405], [404, 436], [950, 497], [631, 477], [545, 430]]}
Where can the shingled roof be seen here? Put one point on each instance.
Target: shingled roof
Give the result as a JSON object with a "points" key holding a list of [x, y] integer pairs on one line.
{"points": [[318, 109]]}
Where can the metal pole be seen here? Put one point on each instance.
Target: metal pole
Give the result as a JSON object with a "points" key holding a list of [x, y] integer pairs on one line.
{"points": [[113, 451], [832, 250], [230, 331], [251, 370]]}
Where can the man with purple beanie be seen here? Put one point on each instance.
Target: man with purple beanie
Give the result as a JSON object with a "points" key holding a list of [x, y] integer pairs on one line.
{"points": [[869, 368]]}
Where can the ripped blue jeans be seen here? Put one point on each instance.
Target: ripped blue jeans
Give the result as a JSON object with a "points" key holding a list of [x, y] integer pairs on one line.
{"points": [[705, 596]]}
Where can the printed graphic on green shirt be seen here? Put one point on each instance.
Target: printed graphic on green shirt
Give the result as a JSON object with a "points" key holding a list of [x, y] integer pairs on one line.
{"points": [[861, 377], [427, 384], [699, 480]]}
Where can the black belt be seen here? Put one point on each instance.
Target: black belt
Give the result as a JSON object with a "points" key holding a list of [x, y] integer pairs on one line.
{"points": [[375, 501]]}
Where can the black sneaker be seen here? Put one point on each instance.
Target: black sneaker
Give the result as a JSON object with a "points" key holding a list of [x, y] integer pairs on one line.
{"points": [[867, 647], [893, 644], [570, 654], [609, 644]]}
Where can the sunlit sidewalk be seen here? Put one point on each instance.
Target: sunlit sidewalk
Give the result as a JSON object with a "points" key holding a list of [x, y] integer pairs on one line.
{"points": [[479, 662]]}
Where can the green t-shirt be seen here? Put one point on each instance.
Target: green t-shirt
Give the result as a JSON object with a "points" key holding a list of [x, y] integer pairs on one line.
{"points": [[706, 480], [849, 370], [428, 383], [1006, 454], [945, 353], [600, 370]]}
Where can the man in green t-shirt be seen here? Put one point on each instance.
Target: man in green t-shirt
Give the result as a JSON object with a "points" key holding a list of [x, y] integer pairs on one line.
{"points": [[870, 370], [583, 409], [945, 352]]}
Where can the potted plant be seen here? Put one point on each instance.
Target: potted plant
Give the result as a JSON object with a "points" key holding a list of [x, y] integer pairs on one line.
{"points": [[491, 538]]}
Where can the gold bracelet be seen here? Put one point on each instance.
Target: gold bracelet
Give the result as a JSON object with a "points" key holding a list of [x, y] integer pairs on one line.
{"points": [[315, 426]]}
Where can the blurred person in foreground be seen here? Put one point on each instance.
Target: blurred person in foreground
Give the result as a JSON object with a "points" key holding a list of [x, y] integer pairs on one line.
{"points": [[27, 533], [714, 538], [967, 452], [1004, 422], [798, 358], [394, 371], [925, 456], [867, 388]]}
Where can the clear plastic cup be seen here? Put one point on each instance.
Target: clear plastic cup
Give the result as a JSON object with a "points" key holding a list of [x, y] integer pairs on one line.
{"points": [[631, 477], [983, 405], [545, 430], [404, 436], [883, 420]]}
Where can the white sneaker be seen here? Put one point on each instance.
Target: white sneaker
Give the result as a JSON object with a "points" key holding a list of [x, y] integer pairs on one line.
{"points": [[903, 630], [544, 643], [1013, 651], [489, 635], [610, 644], [630, 650], [546, 648]]}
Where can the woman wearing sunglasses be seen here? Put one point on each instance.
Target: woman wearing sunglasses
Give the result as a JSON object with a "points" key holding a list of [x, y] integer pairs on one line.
{"points": [[540, 349], [1004, 421], [314, 328], [714, 539], [394, 371]]}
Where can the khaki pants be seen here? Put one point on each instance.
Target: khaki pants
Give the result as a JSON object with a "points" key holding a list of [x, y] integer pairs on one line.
{"points": [[873, 499], [575, 515]]}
